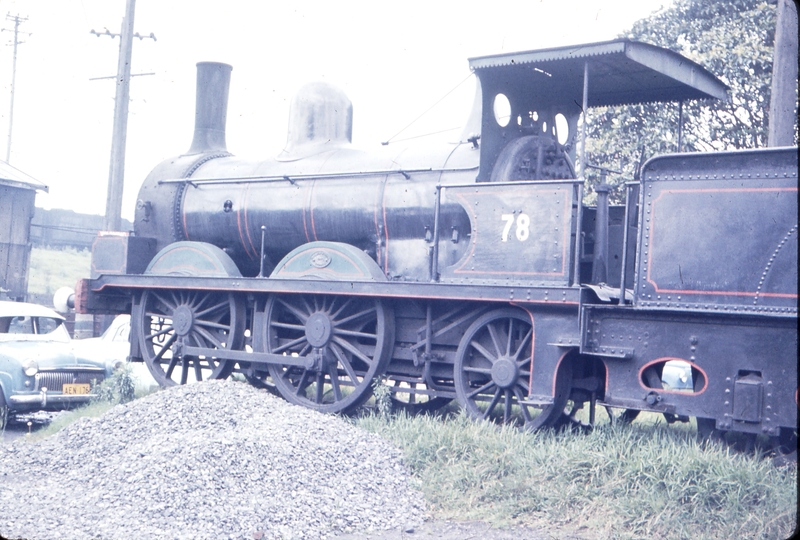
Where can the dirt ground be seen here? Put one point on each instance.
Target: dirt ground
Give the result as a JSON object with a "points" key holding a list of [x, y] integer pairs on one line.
{"points": [[463, 530]]}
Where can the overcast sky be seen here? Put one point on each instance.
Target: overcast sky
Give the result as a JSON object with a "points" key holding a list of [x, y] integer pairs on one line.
{"points": [[393, 59]]}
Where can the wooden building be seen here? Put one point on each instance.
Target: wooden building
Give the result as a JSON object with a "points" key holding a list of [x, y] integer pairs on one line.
{"points": [[17, 196]]}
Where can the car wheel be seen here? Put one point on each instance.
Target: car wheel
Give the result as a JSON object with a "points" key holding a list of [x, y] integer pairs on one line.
{"points": [[3, 412]]}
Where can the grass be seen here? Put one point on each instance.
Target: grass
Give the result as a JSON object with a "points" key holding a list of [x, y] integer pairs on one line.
{"points": [[51, 269], [642, 480], [636, 481], [92, 410]]}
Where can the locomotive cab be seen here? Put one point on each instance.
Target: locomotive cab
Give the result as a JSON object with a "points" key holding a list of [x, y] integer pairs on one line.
{"points": [[531, 127]]}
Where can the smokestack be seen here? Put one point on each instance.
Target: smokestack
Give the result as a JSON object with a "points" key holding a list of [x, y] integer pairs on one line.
{"points": [[211, 109]]}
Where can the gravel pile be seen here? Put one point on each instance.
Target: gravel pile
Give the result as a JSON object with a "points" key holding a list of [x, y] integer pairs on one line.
{"points": [[218, 459]]}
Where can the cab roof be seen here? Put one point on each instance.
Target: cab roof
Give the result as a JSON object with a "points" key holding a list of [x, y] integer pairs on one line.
{"points": [[620, 72]]}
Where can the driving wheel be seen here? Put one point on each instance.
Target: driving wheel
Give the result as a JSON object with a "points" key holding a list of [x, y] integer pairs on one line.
{"points": [[338, 345], [170, 320], [491, 372]]}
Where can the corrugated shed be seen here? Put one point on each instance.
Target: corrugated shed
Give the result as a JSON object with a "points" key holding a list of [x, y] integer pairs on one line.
{"points": [[13, 177]]}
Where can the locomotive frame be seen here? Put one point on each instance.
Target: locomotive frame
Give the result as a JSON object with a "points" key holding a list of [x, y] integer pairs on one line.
{"points": [[477, 274]]}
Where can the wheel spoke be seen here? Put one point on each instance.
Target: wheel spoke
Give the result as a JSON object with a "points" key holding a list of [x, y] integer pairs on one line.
{"points": [[507, 408], [495, 339], [165, 348], [170, 305], [289, 345], [339, 311], [287, 326], [481, 349], [301, 384], [160, 333], [333, 373], [171, 367], [210, 324], [302, 317], [355, 317], [524, 408], [492, 404], [341, 357], [220, 306], [309, 309], [353, 350], [353, 333], [209, 337], [522, 345], [480, 390], [510, 336]]}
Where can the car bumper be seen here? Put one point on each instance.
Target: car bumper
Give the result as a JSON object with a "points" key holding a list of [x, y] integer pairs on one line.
{"points": [[44, 400]]}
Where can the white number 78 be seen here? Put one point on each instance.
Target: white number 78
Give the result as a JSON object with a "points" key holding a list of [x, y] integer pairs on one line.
{"points": [[523, 226]]}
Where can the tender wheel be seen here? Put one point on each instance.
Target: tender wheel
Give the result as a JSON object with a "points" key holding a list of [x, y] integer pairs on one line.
{"points": [[170, 320], [342, 343], [491, 365]]}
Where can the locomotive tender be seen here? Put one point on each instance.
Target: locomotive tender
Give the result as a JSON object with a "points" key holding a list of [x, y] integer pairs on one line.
{"points": [[472, 270]]}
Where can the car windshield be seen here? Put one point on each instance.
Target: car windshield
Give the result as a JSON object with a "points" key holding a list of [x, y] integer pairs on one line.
{"points": [[27, 328]]}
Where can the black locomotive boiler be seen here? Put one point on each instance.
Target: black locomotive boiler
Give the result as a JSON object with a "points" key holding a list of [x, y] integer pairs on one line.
{"points": [[472, 270]]}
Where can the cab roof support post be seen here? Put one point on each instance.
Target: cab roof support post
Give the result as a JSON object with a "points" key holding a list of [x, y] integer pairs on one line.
{"points": [[583, 127]]}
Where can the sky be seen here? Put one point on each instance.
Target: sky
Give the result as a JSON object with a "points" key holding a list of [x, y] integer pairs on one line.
{"points": [[393, 59]]}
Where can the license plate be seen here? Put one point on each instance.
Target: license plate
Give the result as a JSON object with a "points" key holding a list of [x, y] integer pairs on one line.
{"points": [[75, 389]]}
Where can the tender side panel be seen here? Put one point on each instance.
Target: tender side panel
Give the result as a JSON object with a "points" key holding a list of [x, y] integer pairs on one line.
{"points": [[722, 239]]}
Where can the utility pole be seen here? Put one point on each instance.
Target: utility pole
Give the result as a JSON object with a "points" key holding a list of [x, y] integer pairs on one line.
{"points": [[116, 173], [17, 20], [782, 115]]}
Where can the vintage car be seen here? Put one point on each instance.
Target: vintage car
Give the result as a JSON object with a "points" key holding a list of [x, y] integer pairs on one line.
{"points": [[38, 368], [113, 348]]}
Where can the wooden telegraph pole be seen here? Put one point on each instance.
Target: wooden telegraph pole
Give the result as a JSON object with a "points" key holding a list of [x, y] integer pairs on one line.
{"points": [[782, 115], [116, 173]]}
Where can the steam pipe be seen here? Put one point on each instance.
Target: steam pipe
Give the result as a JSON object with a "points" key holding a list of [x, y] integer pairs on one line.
{"points": [[600, 264]]}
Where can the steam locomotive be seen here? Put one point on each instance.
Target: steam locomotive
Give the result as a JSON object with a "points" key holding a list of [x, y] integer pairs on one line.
{"points": [[472, 271]]}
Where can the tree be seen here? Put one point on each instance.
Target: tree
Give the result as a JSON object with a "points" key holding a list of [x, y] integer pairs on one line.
{"points": [[733, 39]]}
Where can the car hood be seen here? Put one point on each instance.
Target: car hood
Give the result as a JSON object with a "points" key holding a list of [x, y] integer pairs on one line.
{"points": [[48, 354]]}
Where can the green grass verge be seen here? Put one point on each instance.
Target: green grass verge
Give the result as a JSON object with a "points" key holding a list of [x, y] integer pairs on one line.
{"points": [[119, 388], [51, 269], [92, 410], [635, 481]]}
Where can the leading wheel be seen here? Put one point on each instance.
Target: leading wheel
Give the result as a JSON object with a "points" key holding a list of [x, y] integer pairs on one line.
{"points": [[491, 372], [339, 344], [169, 320]]}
